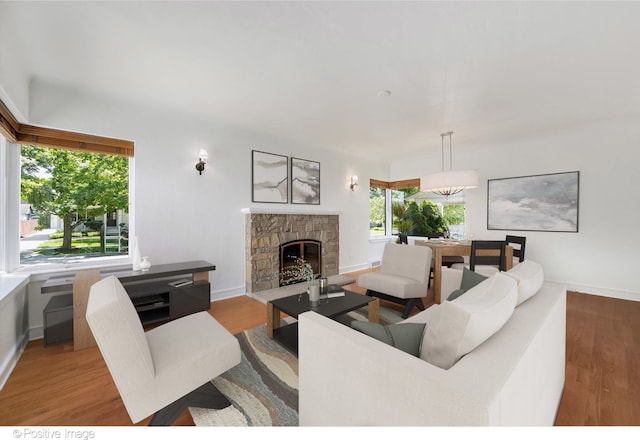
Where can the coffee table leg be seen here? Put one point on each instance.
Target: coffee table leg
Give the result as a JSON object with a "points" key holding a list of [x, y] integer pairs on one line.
{"points": [[374, 311], [273, 319]]}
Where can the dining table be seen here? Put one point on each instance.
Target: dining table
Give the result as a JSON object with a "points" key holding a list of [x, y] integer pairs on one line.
{"points": [[459, 248]]}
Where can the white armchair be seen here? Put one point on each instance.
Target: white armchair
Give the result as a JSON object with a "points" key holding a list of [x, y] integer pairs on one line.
{"points": [[166, 369], [403, 276]]}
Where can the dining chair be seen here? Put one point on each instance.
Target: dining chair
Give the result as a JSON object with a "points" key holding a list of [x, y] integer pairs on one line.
{"points": [[484, 263], [518, 251]]}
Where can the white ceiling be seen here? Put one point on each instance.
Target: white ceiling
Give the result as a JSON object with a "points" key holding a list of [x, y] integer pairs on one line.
{"points": [[312, 72]]}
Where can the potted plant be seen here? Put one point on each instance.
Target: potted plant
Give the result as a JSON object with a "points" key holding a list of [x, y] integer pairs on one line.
{"points": [[302, 271]]}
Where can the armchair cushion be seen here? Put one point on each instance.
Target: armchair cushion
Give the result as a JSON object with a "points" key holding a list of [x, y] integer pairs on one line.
{"points": [[112, 318], [403, 274], [465, 323], [406, 337], [529, 276]]}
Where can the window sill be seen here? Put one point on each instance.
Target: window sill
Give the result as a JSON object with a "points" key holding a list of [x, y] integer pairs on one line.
{"points": [[10, 282], [42, 273], [382, 238]]}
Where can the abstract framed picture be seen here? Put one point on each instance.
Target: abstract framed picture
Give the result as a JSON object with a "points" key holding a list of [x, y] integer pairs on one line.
{"points": [[544, 202], [269, 177], [305, 181]]}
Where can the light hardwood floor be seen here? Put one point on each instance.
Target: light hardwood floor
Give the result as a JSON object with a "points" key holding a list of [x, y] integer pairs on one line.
{"points": [[57, 386]]}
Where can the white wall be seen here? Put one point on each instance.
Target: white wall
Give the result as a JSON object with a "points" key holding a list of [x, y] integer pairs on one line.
{"points": [[603, 256], [181, 215], [12, 77]]}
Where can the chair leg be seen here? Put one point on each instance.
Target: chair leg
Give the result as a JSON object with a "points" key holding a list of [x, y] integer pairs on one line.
{"points": [[410, 304], [207, 396]]}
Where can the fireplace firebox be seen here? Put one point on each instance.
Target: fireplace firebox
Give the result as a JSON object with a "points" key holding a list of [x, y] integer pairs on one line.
{"points": [[292, 252]]}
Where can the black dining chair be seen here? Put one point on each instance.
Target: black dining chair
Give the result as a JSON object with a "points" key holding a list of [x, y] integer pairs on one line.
{"points": [[498, 261], [518, 251]]}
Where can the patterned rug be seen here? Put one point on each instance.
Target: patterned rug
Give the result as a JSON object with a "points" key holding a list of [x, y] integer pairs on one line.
{"points": [[263, 388]]}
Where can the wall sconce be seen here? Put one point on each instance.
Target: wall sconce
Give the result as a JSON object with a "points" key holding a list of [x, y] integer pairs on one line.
{"points": [[201, 160], [354, 182]]}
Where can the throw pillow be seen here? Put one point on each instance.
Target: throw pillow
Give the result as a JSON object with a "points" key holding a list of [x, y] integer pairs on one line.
{"points": [[470, 279], [463, 325], [406, 337], [529, 276], [455, 294]]}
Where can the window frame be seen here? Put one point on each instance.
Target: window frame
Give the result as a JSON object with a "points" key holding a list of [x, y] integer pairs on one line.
{"points": [[388, 187], [12, 135]]}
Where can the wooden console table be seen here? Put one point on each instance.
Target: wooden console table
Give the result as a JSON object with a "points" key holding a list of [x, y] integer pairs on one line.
{"points": [[154, 298]]}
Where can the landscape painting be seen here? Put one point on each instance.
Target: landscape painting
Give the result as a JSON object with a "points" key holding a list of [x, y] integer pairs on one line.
{"points": [[305, 181], [270, 177], [546, 202]]}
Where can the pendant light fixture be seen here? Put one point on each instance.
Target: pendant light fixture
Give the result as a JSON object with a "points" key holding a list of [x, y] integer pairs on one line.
{"points": [[446, 183]]}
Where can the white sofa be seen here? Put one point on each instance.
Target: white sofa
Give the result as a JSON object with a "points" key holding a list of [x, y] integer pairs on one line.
{"points": [[515, 378]]}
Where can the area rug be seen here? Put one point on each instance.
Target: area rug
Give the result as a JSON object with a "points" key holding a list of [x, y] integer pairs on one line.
{"points": [[263, 388]]}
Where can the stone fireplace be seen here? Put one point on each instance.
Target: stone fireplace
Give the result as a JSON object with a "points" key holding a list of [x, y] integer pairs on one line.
{"points": [[266, 231]]}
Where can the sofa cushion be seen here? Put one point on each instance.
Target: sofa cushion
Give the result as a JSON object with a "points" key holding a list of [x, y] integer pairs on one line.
{"points": [[529, 276], [406, 337], [463, 324], [470, 279]]}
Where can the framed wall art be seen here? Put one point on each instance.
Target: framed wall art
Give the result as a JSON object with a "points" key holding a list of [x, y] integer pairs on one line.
{"points": [[269, 177], [545, 202], [305, 181]]}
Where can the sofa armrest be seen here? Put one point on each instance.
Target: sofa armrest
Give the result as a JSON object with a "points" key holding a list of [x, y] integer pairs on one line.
{"points": [[350, 379]]}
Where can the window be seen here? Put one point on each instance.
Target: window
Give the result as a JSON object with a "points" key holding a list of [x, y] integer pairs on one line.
{"points": [[455, 216], [73, 206], [13, 212], [400, 199], [412, 212], [377, 212], [385, 198]]}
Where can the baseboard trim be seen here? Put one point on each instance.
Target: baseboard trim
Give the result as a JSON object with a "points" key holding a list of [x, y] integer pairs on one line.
{"points": [[601, 291], [227, 293], [354, 268], [11, 361]]}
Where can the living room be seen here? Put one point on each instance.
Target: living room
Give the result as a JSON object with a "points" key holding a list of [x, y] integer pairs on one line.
{"points": [[569, 102]]}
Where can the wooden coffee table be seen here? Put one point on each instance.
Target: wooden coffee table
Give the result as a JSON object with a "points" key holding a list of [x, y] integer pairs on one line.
{"points": [[334, 308]]}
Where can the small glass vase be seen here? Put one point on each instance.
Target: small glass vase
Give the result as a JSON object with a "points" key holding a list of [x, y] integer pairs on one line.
{"points": [[145, 264], [314, 294]]}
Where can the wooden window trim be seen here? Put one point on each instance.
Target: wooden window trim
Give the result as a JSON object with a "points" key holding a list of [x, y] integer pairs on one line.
{"points": [[53, 138], [398, 184]]}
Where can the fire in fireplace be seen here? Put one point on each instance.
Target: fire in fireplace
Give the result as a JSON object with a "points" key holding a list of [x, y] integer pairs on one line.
{"points": [[290, 254]]}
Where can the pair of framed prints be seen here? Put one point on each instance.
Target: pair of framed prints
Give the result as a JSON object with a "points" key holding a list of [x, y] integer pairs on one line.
{"points": [[278, 179]]}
